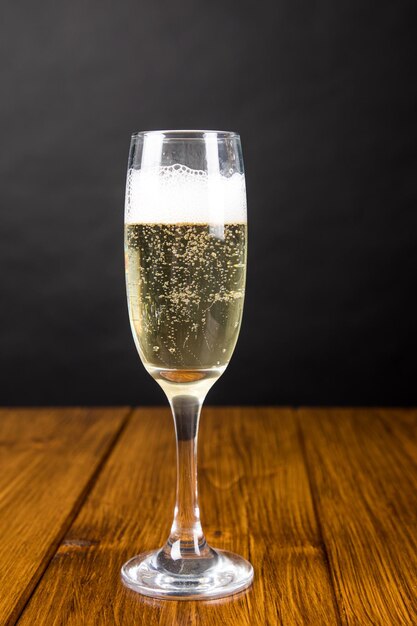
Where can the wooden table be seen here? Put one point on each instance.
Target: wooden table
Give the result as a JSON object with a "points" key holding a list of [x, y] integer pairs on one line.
{"points": [[322, 501]]}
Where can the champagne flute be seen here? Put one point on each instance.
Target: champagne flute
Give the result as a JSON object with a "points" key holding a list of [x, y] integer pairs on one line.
{"points": [[185, 250]]}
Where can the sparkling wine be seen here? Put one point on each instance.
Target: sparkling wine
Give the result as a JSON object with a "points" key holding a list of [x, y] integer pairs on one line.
{"points": [[185, 286]]}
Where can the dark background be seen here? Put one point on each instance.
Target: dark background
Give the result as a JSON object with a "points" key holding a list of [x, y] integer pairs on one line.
{"points": [[324, 97]]}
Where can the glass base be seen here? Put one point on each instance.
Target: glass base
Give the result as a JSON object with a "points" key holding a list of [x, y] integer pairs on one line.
{"points": [[227, 573]]}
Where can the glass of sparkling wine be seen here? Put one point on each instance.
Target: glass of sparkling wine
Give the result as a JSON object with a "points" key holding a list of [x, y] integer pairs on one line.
{"points": [[185, 250]]}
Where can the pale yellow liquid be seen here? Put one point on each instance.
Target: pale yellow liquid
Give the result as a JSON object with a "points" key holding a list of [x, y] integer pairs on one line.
{"points": [[185, 286]]}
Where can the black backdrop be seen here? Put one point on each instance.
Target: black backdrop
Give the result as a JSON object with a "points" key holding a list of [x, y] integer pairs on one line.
{"points": [[324, 97]]}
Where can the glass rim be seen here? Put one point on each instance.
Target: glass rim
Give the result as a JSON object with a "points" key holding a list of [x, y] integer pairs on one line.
{"points": [[184, 134]]}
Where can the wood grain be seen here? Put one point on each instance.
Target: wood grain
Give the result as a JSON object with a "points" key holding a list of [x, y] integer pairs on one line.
{"points": [[255, 499], [363, 466], [48, 459]]}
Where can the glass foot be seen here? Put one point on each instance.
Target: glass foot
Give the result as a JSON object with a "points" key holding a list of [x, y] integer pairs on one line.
{"points": [[223, 575]]}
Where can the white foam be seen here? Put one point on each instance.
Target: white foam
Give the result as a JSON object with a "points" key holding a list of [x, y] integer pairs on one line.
{"points": [[178, 194]]}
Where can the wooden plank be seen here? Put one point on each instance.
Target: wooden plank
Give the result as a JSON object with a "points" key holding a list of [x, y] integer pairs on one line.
{"points": [[363, 466], [48, 458], [255, 500]]}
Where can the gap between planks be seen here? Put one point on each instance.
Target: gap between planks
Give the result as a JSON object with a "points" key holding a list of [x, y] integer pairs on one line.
{"points": [[313, 492]]}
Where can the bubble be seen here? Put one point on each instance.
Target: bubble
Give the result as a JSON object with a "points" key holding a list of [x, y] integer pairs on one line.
{"points": [[178, 194]]}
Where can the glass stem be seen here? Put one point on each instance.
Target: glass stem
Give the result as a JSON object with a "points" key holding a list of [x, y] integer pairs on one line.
{"points": [[187, 537]]}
